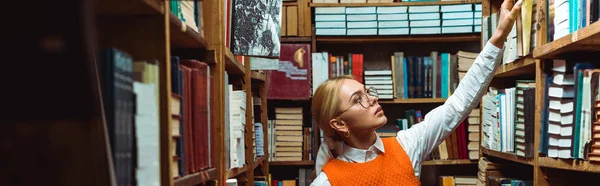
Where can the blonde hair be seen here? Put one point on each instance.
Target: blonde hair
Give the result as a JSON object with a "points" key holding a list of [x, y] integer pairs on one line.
{"points": [[325, 104]]}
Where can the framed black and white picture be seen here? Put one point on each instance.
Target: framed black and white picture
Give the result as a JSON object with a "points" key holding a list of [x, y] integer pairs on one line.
{"points": [[256, 27]]}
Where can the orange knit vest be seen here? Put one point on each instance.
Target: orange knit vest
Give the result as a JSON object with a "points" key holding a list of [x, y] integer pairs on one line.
{"points": [[390, 168]]}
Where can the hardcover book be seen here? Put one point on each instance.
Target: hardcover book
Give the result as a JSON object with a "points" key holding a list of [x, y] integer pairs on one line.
{"points": [[292, 80]]}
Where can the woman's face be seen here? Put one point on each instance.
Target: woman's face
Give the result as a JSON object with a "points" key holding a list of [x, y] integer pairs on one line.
{"points": [[357, 117]]}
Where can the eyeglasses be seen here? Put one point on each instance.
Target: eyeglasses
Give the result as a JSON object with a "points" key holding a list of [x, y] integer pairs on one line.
{"points": [[363, 99]]}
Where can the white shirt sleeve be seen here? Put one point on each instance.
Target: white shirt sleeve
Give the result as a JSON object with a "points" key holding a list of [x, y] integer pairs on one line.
{"points": [[419, 140], [321, 180]]}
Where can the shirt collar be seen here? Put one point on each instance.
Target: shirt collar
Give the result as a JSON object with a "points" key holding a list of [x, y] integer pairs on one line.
{"points": [[359, 155]]}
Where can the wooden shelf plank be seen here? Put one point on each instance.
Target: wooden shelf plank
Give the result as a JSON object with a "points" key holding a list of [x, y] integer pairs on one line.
{"points": [[450, 162], [523, 65], [475, 37], [507, 156], [413, 100], [197, 178], [394, 4], [569, 164], [182, 36], [257, 76], [237, 171], [296, 39], [232, 65], [291, 163], [131, 7], [585, 39], [259, 161]]}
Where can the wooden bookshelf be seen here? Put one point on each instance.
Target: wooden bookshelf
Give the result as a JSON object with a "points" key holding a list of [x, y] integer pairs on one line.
{"points": [[236, 171], [197, 178], [296, 39], [232, 65], [413, 101], [521, 66], [449, 162], [131, 7], [400, 38], [392, 4], [291, 163], [259, 161], [507, 156], [257, 76], [183, 36], [585, 39], [569, 164]]}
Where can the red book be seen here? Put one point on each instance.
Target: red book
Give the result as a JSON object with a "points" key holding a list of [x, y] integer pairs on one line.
{"points": [[292, 80], [200, 111], [187, 122]]}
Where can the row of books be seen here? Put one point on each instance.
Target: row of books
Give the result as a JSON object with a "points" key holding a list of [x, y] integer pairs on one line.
{"points": [[570, 16], [508, 119], [131, 103], [491, 173], [434, 76], [521, 40], [569, 128], [190, 13], [190, 116], [458, 180], [289, 140], [398, 20]]}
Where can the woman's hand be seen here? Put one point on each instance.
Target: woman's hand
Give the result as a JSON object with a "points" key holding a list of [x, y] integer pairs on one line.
{"points": [[508, 14]]}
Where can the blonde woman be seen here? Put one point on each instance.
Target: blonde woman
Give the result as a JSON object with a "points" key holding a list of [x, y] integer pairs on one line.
{"points": [[348, 113]]}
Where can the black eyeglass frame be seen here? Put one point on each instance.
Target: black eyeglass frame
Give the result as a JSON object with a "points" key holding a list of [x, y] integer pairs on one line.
{"points": [[371, 91]]}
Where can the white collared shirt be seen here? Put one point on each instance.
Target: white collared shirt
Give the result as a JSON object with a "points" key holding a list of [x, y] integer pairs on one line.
{"points": [[421, 139]]}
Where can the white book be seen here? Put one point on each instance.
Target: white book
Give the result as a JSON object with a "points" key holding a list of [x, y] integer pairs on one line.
{"points": [[477, 15], [426, 8], [561, 91], [362, 24], [423, 16], [330, 10], [457, 15], [426, 30], [334, 24], [394, 31], [362, 17], [457, 22], [319, 66], [361, 31], [377, 72], [563, 79], [393, 24], [333, 17], [378, 82], [392, 17], [361, 10], [478, 7], [457, 29], [378, 78], [425, 23], [391, 9], [330, 31], [457, 8]]}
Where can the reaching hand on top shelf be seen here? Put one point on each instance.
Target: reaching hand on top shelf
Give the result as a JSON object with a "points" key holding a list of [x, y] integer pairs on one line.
{"points": [[508, 15]]}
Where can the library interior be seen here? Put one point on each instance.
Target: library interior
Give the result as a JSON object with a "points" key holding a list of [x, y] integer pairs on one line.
{"points": [[221, 92]]}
